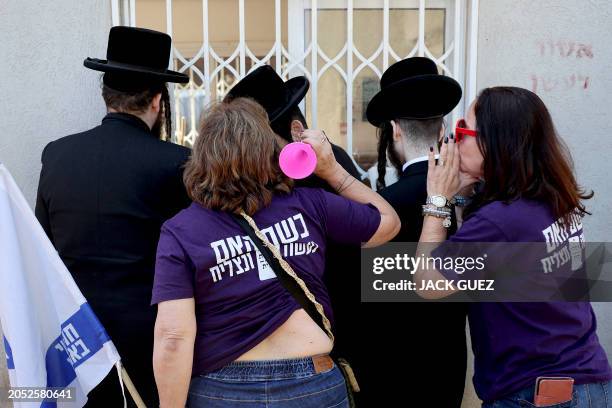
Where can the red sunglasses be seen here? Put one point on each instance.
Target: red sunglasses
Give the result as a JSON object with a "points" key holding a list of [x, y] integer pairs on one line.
{"points": [[461, 130]]}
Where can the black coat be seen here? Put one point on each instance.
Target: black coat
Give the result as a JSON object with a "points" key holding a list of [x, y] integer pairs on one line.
{"points": [[102, 198], [404, 354], [407, 196]]}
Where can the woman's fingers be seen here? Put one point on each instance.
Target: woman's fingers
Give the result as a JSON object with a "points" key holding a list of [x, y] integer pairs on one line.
{"points": [[316, 139], [312, 142], [444, 177], [457, 159], [443, 153], [451, 154], [322, 147], [456, 167], [431, 161], [443, 162], [431, 172]]}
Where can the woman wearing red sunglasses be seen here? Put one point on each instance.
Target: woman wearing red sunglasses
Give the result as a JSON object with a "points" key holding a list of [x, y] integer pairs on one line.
{"points": [[528, 193], [471, 159]]}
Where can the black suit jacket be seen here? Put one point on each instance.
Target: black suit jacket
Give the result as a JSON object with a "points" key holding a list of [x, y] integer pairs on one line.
{"points": [[102, 198], [404, 354], [407, 196]]}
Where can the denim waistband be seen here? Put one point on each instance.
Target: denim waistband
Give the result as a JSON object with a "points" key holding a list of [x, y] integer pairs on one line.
{"points": [[265, 370]]}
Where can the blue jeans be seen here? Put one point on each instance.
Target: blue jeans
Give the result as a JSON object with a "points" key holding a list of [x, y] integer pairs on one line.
{"points": [[595, 395], [269, 384]]}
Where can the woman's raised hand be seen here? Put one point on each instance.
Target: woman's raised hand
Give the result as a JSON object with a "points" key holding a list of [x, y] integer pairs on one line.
{"points": [[443, 176], [326, 162]]}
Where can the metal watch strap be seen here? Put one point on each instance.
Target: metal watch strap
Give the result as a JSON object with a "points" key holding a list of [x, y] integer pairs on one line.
{"points": [[438, 213], [439, 210]]}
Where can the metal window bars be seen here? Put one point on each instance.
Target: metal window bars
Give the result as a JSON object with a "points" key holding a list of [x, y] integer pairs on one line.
{"points": [[217, 72]]}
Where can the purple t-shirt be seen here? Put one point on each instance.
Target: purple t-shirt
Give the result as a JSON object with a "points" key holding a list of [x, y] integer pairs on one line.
{"points": [[514, 343], [204, 254]]}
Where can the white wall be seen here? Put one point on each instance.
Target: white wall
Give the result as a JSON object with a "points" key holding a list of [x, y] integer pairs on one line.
{"points": [[520, 43], [561, 50], [46, 93]]}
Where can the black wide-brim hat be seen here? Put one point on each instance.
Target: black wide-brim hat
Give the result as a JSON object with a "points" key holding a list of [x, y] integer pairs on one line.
{"points": [[268, 89], [136, 54], [413, 89]]}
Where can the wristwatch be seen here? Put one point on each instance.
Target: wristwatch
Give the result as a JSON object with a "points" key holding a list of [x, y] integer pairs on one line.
{"points": [[438, 200]]}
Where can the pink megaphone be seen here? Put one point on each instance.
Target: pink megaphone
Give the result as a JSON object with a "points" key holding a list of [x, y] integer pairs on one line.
{"points": [[297, 160]]}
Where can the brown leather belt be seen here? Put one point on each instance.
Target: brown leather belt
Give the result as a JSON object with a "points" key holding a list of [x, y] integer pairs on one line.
{"points": [[322, 362]]}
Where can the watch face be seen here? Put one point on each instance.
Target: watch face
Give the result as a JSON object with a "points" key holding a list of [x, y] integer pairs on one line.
{"points": [[438, 201]]}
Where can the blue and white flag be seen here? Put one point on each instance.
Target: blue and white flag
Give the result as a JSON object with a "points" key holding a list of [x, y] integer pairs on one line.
{"points": [[51, 336]]}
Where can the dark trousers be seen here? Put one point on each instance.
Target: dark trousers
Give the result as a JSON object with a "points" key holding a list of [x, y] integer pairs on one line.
{"points": [[130, 327], [406, 354]]}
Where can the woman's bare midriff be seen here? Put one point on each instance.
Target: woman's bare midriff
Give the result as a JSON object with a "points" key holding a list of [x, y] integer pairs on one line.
{"points": [[298, 337]]}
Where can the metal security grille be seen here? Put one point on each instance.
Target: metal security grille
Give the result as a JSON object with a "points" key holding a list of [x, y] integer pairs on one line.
{"points": [[302, 52]]}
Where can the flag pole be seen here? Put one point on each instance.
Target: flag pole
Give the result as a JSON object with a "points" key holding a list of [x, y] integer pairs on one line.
{"points": [[132, 389]]}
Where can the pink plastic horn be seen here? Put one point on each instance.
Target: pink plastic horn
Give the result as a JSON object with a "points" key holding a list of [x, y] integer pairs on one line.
{"points": [[297, 160]]}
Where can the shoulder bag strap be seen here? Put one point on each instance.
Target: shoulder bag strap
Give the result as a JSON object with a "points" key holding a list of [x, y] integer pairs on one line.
{"points": [[285, 273]]}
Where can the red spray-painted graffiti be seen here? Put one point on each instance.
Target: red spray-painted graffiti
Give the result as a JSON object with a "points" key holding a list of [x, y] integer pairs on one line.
{"points": [[560, 83], [560, 52], [565, 49]]}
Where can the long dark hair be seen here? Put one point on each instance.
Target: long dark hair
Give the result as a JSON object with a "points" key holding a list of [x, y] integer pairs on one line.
{"points": [[167, 112], [523, 155], [385, 149]]}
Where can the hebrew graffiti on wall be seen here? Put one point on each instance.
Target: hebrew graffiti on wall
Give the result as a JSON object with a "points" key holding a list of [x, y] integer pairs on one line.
{"points": [[570, 60]]}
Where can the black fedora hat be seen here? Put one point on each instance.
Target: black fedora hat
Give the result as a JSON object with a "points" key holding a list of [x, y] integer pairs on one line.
{"points": [[268, 89], [137, 53], [413, 89]]}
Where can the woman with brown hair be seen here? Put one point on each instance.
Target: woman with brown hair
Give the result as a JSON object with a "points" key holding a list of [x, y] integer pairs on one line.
{"points": [[528, 193], [225, 324]]}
